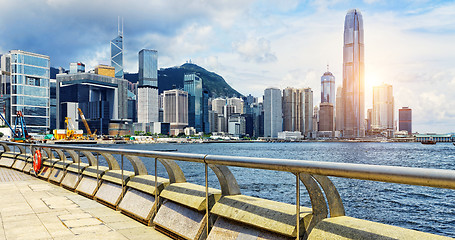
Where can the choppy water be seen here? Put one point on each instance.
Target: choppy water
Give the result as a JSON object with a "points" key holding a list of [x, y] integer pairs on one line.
{"points": [[420, 208]]}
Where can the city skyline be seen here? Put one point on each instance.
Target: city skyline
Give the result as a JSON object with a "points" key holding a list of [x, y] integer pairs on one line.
{"points": [[407, 45]]}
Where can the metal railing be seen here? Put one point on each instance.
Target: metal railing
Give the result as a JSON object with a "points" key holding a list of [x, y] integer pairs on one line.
{"points": [[312, 174]]}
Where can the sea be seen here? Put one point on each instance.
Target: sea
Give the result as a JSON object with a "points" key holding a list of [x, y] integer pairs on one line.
{"points": [[424, 209]]}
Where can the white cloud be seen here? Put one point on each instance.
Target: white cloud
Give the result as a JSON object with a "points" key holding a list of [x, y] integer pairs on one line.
{"points": [[255, 49]]}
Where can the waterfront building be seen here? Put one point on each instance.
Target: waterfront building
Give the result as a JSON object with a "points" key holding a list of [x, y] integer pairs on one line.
{"points": [[293, 110], [383, 109], [237, 103], [77, 67], [405, 119], [53, 104], [147, 89], [175, 110], [290, 135], [433, 137], [237, 125], [213, 121], [25, 87], [218, 105], [339, 110], [197, 102], [353, 76], [325, 117], [308, 93], [328, 88], [117, 52], [105, 70], [273, 120], [101, 99], [315, 120], [369, 119]]}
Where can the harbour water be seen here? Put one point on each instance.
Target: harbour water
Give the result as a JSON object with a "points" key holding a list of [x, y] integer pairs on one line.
{"points": [[421, 208]]}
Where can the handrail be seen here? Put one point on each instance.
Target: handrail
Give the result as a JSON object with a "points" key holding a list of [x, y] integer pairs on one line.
{"points": [[440, 178]]}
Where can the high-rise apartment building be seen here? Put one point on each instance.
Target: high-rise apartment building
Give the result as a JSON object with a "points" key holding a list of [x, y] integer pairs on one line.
{"points": [[25, 87], [218, 105], [405, 119], [383, 105], [273, 120], [147, 90], [353, 76], [175, 110], [117, 52], [293, 110], [328, 88], [308, 93]]}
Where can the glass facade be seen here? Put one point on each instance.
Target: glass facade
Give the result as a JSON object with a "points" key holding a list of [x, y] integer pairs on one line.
{"points": [[27, 89], [193, 85], [405, 119], [353, 76], [117, 55], [328, 88], [148, 68]]}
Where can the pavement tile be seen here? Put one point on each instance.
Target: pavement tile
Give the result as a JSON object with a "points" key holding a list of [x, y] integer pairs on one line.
{"points": [[74, 223], [142, 233]]}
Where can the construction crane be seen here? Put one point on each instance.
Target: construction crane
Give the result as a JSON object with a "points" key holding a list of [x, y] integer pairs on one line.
{"points": [[89, 133], [19, 134]]}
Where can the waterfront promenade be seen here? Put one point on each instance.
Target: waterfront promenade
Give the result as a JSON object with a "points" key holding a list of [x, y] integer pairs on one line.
{"points": [[31, 208]]}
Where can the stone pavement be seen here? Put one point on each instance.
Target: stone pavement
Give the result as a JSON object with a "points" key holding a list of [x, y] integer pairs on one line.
{"points": [[32, 208]]}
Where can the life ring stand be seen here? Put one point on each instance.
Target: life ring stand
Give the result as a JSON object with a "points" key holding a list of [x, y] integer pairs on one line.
{"points": [[37, 161]]}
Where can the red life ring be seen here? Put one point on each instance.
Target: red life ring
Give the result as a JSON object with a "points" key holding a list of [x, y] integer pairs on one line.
{"points": [[37, 161]]}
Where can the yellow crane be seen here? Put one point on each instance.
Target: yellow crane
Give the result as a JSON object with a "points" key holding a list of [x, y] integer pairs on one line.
{"points": [[89, 133]]}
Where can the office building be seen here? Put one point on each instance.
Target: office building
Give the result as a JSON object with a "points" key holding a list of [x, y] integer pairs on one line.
{"points": [[328, 88], [77, 67], [218, 105], [339, 117], [237, 103], [405, 119], [369, 120], [117, 52], [197, 103], [293, 110], [273, 120], [105, 70], [25, 87], [101, 99], [325, 117], [147, 89], [237, 125], [353, 76], [383, 109], [308, 94], [175, 110], [53, 104]]}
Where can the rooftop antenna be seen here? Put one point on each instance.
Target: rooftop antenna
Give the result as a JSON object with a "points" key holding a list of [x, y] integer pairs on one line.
{"points": [[327, 67], [120, 31]]}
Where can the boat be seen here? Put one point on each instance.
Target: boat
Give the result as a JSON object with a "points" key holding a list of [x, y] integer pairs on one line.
{"points": [[428, 142]]}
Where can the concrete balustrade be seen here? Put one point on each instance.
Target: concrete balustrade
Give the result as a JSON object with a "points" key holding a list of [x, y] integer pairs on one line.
{"points": [[185, 210]]}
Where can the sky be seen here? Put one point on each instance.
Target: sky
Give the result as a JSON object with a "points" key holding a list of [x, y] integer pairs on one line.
{"points": [[257, 44]]}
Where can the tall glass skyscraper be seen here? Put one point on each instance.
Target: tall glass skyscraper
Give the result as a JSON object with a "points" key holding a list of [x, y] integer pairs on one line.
{"points": [[353, 76], [117, 53], [148, 68], [328, 88], [147, 91], [25, 87], [273, 119], [193, 85]]}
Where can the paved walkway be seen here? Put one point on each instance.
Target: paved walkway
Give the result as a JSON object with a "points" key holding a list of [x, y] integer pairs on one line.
{"points": [[31, 208]]}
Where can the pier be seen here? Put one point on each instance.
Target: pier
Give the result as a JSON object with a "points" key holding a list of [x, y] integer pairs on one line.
{"points": [[72, 195]]}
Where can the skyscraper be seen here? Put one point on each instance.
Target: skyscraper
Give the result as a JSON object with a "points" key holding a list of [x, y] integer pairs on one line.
{"points": [[382, 116], [117, 52], [325, 117], [353, 76], [308, 110], [147, 91], [273, 120], [328, 88], [405, 118], [25, 87], [176, 110], [339, 110], [293, 110], [196, 103]]}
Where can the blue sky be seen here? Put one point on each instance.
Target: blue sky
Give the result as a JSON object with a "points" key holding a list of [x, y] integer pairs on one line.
{"points": [[257, 44]]}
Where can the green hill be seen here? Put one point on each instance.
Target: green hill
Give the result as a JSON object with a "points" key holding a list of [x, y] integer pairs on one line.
{"points": [[212, 82]]}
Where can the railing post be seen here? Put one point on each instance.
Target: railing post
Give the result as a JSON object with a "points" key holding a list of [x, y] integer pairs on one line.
{"points": [[297, 204], [123, 181], [206, 197], [156, 187], [97, 169]]}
